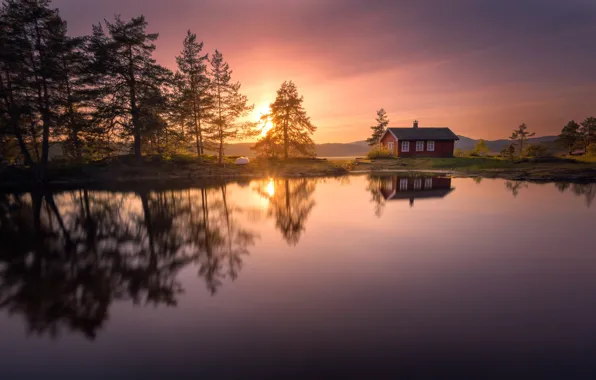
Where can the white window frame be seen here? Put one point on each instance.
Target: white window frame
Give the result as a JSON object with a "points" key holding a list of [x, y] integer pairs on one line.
{"points": [[419, 146], [430, 146], [403, 184], [405, 146], [428, 183], [418, 184], [390, 146]]}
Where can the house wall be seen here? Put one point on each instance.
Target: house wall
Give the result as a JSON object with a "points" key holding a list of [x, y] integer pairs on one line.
{"points": [[442, 149], [389, 138]]}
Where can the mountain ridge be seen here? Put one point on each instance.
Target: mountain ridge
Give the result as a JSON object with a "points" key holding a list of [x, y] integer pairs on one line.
{"points": [[361, 148]]}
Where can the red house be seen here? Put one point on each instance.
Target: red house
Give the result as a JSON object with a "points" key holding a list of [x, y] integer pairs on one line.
{"points": [[419, 142], [412, 188]]}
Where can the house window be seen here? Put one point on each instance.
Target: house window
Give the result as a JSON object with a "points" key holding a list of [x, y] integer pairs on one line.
{"points": [[428, 183], [418, 184], [390, 146], [419, 146], [430, 146], [405, 146], [403, 184]]}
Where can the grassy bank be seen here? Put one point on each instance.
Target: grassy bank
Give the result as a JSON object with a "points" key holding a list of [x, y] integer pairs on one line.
{"points": [[548, 168], [182, 169], [128, 169]]}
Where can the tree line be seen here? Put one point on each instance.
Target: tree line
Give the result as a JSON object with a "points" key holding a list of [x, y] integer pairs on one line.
{"points": [[104, 93], [573, 136]]}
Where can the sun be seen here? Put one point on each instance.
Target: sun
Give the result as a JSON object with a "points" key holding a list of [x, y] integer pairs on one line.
{"points": [[258, 113]]}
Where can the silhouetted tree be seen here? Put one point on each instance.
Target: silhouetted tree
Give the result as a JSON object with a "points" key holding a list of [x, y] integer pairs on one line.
{"points": [[229, 105], [570, 136], [128, 75], [379, 128], [292, 127], [587, 132], [33, 43], [195, 101], [521, 134]]}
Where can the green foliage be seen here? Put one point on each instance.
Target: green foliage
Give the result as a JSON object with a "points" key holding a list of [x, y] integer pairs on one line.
{"points": [[290, 135], [521, 134], [536, 150], [587, 132], [508, 152], [459, 153], [481, 149], [379, 153], [378, 129], [591, 151], [570, 136]]}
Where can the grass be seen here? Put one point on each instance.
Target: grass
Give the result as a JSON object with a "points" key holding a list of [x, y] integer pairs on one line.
{"points": [[531, 168], [188, 168]]}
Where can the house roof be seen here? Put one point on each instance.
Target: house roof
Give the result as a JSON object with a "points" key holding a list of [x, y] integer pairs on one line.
{"points": [[423, 133]]}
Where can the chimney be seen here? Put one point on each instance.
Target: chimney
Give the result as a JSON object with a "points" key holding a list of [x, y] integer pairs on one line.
{"points": [[415, 123]]}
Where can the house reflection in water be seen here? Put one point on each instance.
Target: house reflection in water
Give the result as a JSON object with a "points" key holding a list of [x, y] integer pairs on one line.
{"points": [[412, 188]]}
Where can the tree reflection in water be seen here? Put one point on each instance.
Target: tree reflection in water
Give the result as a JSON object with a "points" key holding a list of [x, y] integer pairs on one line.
{"points": [[64, 258], [586, 190], [290, 204]]}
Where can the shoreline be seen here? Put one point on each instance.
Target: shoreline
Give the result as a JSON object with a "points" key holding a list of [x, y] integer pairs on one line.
{"points": [[188, 173]]}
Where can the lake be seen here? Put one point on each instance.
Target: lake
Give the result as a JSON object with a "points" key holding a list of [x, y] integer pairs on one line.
{"points": [[354, 277]]}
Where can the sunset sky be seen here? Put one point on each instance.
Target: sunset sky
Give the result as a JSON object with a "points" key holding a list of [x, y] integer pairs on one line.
{"points": [[479, 67]]}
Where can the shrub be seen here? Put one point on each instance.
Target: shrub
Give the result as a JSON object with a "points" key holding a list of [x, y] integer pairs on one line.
{"points": [[473, 153], [380, 152], [536, 150], [591, 151], [508, 152], [459, 153]]}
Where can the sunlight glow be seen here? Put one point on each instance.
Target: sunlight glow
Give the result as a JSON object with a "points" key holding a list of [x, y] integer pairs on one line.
{"points": [[259, 111], [271, 188]]}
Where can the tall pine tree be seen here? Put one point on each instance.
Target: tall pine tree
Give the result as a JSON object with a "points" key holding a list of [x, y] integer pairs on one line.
{"points": [[292, 127], [33, 37], [588, 132], [378, 129], [521, 134], [229, 105], [128, 74], [195, 101]]}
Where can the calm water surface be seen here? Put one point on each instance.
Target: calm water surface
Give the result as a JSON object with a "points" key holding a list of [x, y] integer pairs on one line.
{"points": [[358, 277]]}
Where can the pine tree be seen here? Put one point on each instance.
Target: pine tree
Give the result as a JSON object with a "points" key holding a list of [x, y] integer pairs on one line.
{"points": [[32, 34], [378, 129], [229, 105], [521, 134], [127, 73], [195, 99], [588, 132], [291, 125], [570, 135]]}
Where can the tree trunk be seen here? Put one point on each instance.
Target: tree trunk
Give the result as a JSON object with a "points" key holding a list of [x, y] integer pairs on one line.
{"points": [[286, 143]]}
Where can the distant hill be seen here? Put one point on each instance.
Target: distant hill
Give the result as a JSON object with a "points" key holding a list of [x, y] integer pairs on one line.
{"points": [[361, 148], [466, 143]]}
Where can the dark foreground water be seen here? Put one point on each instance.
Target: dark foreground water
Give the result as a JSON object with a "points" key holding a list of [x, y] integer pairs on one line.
{"points": [[355, 278]]}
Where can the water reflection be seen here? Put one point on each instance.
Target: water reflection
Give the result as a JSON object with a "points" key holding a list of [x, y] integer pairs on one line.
{"points": [[64, 258], [587, 190], [406, 188], [290, 204]]}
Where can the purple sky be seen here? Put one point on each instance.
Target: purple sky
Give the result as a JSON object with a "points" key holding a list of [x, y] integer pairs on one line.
{"points": [[479, 67]]}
